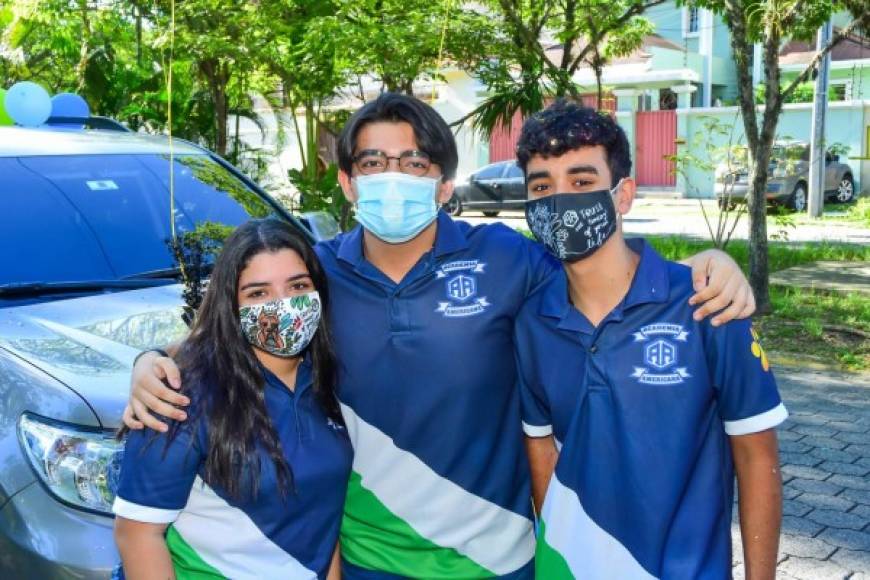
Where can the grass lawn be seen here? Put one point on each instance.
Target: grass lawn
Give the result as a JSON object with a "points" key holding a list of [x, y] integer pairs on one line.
{"points": [[853, 214], [806, 324]]}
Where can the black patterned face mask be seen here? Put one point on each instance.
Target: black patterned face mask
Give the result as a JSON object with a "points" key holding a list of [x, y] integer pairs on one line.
{"points": [[573, 226]]}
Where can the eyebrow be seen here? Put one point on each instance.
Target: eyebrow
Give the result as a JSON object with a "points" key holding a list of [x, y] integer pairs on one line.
{"points": [[582, 169], [537, 175], [262, 284]]}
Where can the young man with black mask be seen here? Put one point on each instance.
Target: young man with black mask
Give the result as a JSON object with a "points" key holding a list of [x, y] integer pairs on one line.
{"points": [[645, 411]]}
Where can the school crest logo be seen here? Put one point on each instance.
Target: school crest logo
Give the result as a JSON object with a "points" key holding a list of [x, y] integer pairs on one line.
{"points": [[661, 354], [461, 289]]}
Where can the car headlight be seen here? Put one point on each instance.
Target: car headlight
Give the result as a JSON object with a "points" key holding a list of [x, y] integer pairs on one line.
{"points": [[79, 466], [779, 171]]}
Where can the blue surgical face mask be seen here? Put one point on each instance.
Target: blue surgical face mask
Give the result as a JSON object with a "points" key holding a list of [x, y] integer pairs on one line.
{"points": [[395, 207]]}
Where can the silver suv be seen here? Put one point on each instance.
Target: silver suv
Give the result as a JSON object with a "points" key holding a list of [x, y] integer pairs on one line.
{"points": [[87, 281], [789, 178]]}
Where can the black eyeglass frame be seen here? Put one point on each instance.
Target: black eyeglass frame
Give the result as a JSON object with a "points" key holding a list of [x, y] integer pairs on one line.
{"points": [[404, 155]]}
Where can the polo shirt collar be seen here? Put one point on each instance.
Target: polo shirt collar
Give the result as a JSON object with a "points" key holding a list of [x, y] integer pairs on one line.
{"points": [[304, 378], [449, 238], [350, 249], [651, 283]]}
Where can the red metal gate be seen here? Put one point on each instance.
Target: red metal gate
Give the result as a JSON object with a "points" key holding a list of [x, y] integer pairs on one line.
{"points": [[503, 140], [656, 136]]}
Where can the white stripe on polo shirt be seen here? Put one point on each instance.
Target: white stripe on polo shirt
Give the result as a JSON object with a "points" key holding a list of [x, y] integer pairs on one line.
{"points": [[567, 526], [757, 423], [495, 538], [227, 539], [143, 513], [537, 430]]}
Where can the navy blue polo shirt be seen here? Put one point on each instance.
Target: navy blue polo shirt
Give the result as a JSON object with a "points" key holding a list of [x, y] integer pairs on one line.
{"points": [[267, 536], [428, 385], [642, 408]]}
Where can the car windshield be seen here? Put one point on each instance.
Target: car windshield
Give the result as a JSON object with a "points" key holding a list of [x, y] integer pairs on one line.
{"points": [[789, 152], [85, 218]]}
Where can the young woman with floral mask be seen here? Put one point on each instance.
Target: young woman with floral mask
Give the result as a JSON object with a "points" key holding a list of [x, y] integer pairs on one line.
{"points": [[253, 484]]}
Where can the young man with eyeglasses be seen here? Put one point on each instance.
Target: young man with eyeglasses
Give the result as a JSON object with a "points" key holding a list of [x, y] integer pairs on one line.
{"points": [[423, 310]]}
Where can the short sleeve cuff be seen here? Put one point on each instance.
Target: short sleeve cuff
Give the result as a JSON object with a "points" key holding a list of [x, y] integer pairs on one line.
{"points": [[757, 423], [144, 514], [537, 430]]}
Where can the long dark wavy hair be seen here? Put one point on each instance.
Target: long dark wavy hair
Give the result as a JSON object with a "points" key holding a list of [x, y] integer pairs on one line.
{"points": [[220, 370]]}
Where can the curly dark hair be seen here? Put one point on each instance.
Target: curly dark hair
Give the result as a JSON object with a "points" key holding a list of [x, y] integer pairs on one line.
{"points": [[564, 126]]}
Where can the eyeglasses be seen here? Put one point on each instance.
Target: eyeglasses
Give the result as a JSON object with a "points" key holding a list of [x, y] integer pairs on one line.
{"points": [[413, 162]]}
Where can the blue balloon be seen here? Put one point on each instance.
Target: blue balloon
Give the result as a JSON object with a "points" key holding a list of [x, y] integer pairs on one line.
{"points": [[28, 104], [69, 106]]}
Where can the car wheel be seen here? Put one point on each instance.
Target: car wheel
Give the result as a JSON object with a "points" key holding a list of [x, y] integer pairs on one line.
{"points": [[726, 204], [454, 206], [491, 213], [846, 190], [798, 199]]}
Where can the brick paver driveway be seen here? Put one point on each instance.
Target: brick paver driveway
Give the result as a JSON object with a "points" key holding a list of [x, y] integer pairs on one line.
{"points": [[825, 453]]}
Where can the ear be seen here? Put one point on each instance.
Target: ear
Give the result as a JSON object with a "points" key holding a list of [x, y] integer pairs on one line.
{"points": [[445, 192], [624, 197], [347, 186]]}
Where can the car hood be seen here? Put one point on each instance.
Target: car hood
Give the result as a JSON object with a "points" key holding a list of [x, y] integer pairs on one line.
{"points": [[89, 343]]}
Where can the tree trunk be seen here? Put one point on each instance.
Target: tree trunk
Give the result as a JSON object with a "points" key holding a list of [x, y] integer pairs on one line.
{"points": [[138, 36], [217, 77], [85, 47], [757, 212], [220, 112], [310, 168], [759, 152], [598, 68], [758, 256]]}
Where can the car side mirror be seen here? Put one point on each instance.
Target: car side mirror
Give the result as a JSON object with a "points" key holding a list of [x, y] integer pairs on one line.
{"points": [[835, 157]]}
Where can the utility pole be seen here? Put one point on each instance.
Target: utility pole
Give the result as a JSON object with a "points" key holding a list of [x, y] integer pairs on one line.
{"points": [[817, 144]]}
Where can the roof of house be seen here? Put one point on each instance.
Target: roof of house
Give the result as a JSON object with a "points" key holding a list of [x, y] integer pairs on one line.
{"points": [[640, 55], [801, 52]]}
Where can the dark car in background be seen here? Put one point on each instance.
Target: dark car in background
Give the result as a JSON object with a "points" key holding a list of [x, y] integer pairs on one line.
{"points": [[490, 189], [88, 281]]}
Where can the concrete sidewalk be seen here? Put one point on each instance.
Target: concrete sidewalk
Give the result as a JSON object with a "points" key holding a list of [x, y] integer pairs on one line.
{"points": [[840, 276], [825, 456]]}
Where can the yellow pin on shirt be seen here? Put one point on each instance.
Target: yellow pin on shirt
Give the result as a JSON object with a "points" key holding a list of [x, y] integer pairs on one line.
{"points": [[758, 351]]}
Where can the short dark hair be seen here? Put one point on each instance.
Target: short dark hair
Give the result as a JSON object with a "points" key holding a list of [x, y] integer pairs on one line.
{"points": [[565, 126], [432, 133]]}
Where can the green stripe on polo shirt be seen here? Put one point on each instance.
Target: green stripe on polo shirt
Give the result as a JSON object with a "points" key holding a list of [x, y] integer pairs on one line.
{"points": [[403, 517], [187, 563], [373, 537], [549, 563]]}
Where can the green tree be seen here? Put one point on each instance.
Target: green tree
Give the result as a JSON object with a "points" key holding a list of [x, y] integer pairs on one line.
{"points": [[771, 23], [213, 36], [523, 73], [400, 42]]}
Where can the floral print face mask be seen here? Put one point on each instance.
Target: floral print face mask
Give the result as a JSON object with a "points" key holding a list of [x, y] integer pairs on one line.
{"points": [[282, 327]]}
